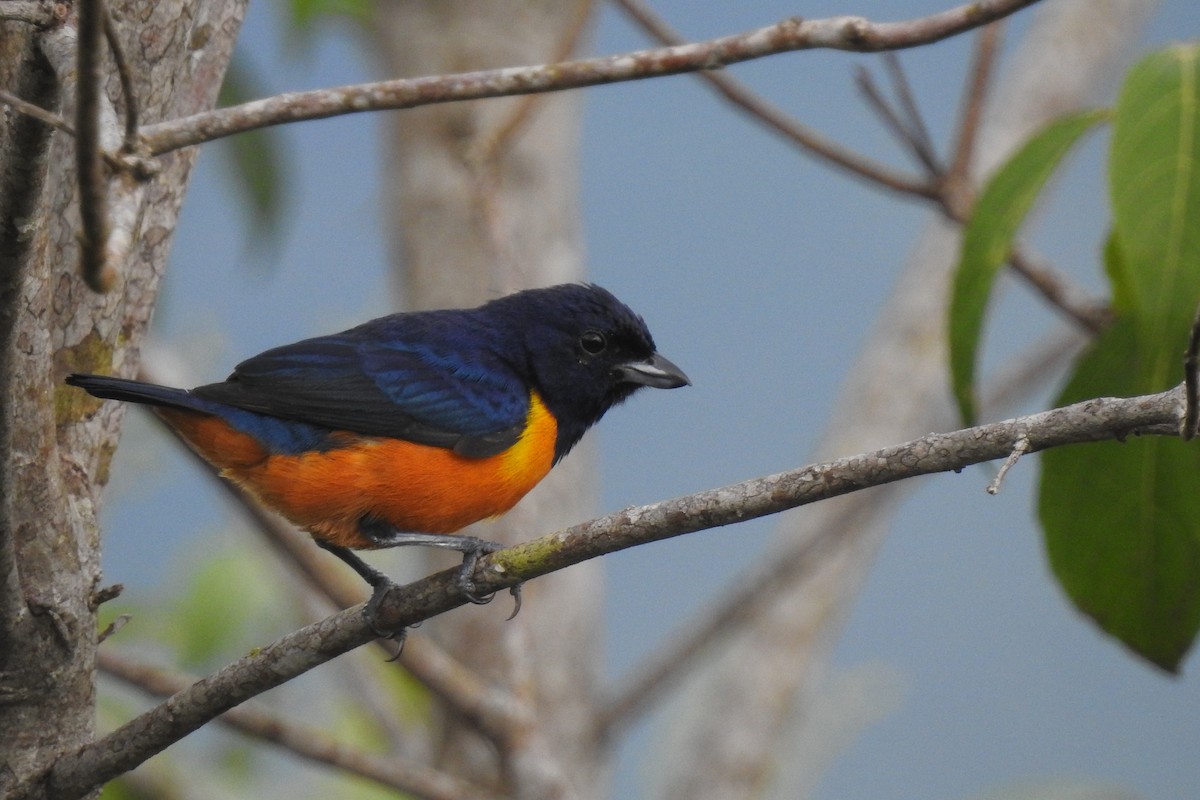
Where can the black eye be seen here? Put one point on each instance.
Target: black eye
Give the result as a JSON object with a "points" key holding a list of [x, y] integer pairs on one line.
{"points": [[593, 342]]}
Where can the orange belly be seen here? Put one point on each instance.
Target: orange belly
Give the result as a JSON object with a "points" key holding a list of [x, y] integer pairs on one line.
{"points": [[412, 487]]}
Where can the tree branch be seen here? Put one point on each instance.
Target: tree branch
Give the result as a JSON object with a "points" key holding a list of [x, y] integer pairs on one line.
{"points": [[39, 14], [309, 743], [838, 33], [1102, 419], [777, 120], [93, 201]]}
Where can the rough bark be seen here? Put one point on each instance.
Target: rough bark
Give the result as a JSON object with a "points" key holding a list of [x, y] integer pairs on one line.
{"points": [[55, 446], [484, 202]]}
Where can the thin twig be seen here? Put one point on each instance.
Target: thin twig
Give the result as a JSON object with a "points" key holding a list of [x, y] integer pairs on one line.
{"points": [[128, 93], [914, 121], [1020, 448], [854, 34], [37, 112], [896, 124], [41, 14], [1093, 317], [776, 119], [983, 63], [951, 195], [93, 201], [1191, 382], [300, 740], [54, 121], [489, 149]]}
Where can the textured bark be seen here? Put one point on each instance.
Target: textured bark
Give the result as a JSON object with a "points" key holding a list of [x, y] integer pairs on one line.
{"points": [[55, 446], [736, 711], [484, 202]]}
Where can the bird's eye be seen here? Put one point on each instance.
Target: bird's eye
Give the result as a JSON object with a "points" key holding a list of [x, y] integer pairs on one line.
{"points": [[593, 342]]}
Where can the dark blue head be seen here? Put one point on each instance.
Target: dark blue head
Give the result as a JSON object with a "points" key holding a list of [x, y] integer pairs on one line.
{"points": [[584, 350]]}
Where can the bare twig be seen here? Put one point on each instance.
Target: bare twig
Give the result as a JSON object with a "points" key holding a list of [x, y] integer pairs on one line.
{"points": [[918, 131], [314, 745], [1100, 419], [41, 14], [1191, 382], [839, 33], [957, 178], [775, 119], [1020, 448], [128, 94], [488, 149], [896, 124], [93, 200], [37, 112], [949, 189], [120, 622], [904, 120], [1093, 317]]}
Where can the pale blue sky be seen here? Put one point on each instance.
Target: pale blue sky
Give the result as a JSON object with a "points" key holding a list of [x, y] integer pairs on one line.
{"points": [[759, 272]]}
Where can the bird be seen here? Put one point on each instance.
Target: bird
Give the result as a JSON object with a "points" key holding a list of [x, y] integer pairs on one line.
{"points": [[407, 428]]}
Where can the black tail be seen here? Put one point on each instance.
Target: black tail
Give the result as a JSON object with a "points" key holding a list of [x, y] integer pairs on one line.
{"points": [[111, 388]]}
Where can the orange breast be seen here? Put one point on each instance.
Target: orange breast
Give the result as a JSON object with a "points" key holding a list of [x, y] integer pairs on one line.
{"points": [[412, 487]]}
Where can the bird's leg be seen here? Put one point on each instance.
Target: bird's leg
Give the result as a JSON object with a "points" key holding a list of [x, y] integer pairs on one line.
{"points": [[380, 585], [472, 547]]}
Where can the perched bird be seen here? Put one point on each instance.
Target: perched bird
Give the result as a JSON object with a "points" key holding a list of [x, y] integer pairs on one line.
{"points": [[410, 427]]}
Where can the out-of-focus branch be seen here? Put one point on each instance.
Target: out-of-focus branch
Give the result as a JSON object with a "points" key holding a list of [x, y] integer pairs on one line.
{"points": [[303, 741], [97, 272], [776, 119], [949, 188], [837, 33]]}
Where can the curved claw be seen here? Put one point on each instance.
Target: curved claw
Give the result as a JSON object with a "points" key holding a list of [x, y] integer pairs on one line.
{"points": [[371, 612], [467, 586], [515, 591]]}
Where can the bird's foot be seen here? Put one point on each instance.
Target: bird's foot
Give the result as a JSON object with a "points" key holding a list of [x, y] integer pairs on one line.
{"points": [[379, 592], [467, 586]]}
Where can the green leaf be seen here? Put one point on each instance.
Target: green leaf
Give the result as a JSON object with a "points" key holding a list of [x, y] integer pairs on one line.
{"points": [[988, 239], [256, 159], [1155, 186], [1122, 520]]}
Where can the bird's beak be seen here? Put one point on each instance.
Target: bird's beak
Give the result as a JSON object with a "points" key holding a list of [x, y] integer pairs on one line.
{"points": [[656, 371]]}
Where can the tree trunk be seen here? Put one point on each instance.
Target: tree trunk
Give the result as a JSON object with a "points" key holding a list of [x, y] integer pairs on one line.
{"points": [[484, 202], [56, 442]]}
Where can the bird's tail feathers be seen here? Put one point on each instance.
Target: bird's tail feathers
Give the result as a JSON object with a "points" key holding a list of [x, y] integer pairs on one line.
{"points": [[132, 391]]}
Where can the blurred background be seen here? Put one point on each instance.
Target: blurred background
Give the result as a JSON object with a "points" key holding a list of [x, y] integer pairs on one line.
{"points": [[962, 671]]}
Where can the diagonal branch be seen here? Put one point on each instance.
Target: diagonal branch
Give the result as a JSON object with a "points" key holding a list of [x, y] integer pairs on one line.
{"points": [[838, 33], [314, 745], [1102, 419], [777, 120]]}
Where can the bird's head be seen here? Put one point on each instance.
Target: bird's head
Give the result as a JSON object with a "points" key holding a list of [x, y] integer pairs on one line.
{"points": [[585, 351]]}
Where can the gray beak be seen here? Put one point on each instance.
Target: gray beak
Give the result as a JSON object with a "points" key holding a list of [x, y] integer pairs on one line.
{"points": [[656, 372]]}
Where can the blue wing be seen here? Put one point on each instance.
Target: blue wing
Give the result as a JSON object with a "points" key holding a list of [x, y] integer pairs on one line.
{"points": [[431, 378]]}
